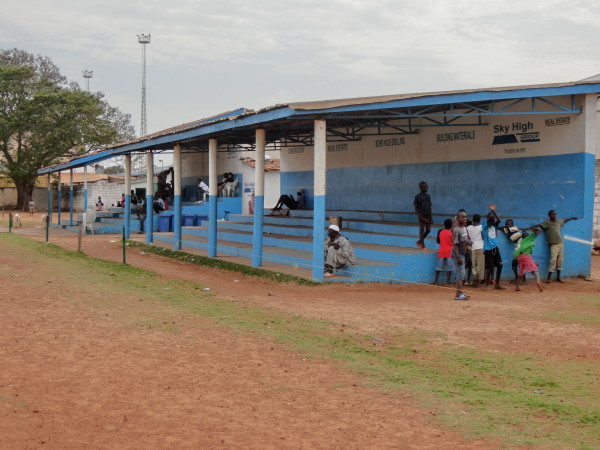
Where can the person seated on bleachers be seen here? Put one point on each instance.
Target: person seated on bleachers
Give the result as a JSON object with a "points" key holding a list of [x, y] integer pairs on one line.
{"points": [[158, 204], [338, 251], [139, 209], [288, 200], [202, 189], [227, 178]]}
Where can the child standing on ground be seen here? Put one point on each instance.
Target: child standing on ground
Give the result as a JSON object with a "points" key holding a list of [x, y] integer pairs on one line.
{"points": [[552, 229], [460, 239], [515, 235], [525, 261], [422, 205], [444, 238], [477, 258], [491, 251]]}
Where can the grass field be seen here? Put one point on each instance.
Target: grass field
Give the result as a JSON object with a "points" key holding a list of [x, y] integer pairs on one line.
{"points": [[518, 398]]}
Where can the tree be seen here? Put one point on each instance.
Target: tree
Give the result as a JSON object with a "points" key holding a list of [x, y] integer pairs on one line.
{"points": [[44, 119], [114, 170]]}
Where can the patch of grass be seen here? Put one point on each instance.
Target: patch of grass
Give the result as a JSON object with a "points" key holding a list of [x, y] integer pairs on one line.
{"points": [[225, 265], [586, 313], [522, 400]]}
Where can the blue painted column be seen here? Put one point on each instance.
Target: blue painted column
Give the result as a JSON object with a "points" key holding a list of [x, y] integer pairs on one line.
{"points": [[71, 197], [149, 197], [85, 190], [177, 197], [212, 198], [320, 168], [49, 199], [589, 188], [127, 205], [59, 199], [259, 198]]}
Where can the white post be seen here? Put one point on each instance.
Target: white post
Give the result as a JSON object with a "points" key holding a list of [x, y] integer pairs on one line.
{"points": [[259, 198], [320, 168], [149, 196], [127, 205], [212, 199], [177, 197]]}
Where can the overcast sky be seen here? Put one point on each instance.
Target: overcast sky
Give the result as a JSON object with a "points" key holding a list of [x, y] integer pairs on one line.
{"points": [[208, 57]]}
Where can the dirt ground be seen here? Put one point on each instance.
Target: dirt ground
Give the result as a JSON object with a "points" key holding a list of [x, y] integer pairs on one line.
{"points": [[72, 379]]}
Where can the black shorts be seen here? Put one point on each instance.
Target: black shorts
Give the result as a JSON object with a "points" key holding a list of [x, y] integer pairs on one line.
{"points": [[468, 260], [492, 258]]}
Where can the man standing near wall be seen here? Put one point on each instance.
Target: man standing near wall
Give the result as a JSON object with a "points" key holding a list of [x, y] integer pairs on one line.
{"points": [[422, 205], [552, 229]]}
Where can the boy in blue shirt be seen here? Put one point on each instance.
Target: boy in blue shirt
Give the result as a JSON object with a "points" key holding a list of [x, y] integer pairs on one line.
{"points": [[489, 229]]}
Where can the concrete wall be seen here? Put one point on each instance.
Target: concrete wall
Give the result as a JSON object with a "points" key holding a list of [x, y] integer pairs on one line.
{"points": [[195, 165], [525, 164], [8, 198], [596, 233], [110, 193]]}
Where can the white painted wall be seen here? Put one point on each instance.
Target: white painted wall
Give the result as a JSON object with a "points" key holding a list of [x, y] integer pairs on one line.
{"points": [[195, 165], [558, 134]]}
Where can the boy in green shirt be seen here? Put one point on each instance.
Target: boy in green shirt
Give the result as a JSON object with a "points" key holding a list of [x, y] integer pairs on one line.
{"points": [[522, 255]]}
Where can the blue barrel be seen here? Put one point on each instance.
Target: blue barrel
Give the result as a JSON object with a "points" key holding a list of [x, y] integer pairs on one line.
{"points": [[165, 223], [200, 218], [188, 220]]}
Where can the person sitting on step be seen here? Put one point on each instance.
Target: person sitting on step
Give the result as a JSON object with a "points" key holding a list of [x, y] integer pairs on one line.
{"points": [[288, 200], [338, 251]]}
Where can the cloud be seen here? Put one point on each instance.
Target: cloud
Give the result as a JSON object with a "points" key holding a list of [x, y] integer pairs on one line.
{"points": [[208, 56]]}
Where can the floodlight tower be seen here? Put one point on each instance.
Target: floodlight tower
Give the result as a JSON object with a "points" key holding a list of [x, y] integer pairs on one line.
{"points": [[87, 74], [143, 39]]}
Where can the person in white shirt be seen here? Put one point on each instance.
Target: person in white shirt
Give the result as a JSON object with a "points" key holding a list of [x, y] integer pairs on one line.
{"points": [[477, 257], [158, 204], [202, 189]]}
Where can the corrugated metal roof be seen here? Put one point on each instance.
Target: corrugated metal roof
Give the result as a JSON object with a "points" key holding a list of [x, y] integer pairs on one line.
{"points": [[346, 102], [242, 120]]}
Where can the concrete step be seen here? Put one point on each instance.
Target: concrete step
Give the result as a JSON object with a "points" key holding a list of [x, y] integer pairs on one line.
{"points": [[418, 265], [285, 231], [370, 251]]}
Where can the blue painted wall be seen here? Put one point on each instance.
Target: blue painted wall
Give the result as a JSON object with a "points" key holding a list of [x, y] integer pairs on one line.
{"points": [[522, 188]]}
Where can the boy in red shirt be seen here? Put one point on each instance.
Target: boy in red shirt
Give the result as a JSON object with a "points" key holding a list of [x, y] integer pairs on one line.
{"points": [[444, 238]]}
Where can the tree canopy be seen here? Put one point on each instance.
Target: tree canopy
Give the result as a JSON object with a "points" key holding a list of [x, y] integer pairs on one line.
{"points": [[44, 119]]}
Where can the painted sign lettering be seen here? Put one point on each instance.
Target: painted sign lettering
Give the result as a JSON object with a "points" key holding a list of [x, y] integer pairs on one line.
{"points": [[392, 142], [456, 136]]}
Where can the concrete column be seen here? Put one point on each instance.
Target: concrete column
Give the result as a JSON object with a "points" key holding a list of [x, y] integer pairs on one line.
{"points": [[71, 197], [212, 197], [85, 190], [177, 196], [59, 199], [320, 169], [149, 197], [259, 198], [127, 205], [586, 221]]}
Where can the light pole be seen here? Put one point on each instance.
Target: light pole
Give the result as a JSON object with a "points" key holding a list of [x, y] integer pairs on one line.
{"points": [[143, 39], [139, 161], [87, 74]]}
